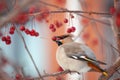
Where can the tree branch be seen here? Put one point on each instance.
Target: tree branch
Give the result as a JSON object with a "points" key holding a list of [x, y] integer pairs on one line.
{"points": [[73, 11], [19, 33], [111, 70], [54, 74]]}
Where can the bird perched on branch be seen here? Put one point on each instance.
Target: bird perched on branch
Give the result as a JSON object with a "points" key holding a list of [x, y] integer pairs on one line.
{"points": [[75, 56]]}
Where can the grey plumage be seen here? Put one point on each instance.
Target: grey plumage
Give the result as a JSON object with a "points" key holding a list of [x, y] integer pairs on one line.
{"points": [[73, 49], [75, 56]]}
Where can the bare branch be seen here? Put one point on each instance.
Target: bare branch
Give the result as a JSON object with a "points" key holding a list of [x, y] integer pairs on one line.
{"points": [[54, 74], [111, 70], [19, 33], [73, 11]]}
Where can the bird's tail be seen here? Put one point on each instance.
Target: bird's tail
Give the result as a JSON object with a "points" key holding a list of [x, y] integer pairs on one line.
{"points": [[105, 73]]}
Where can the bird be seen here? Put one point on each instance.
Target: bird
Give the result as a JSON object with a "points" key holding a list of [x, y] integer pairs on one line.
{"points": [[75, 56]]}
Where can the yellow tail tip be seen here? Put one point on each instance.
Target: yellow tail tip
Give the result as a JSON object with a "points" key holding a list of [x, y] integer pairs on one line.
{"points": [[105, 74]]}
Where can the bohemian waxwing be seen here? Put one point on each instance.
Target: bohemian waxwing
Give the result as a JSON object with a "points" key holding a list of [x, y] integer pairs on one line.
{"points": [[75, 56]]}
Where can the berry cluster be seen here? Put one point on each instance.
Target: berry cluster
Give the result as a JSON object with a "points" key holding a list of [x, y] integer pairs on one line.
{"points": [[6, 39], [12, 30], [56, 24], [29, 32], [52, 27], [72, 29]]}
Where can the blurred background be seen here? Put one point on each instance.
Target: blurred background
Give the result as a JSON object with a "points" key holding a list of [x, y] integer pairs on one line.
{"points": [[95, 31]]}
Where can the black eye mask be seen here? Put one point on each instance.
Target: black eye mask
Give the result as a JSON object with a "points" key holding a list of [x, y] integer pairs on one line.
{"points": [[62, 36], [59, 43]]}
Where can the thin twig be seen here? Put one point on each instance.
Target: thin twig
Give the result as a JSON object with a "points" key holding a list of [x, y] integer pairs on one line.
{"points": [[19, 33], [54, 74], [72, 11], [111, 71]]}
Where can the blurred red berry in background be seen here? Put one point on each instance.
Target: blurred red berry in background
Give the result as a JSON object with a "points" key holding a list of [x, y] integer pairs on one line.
{"points": [[21, 18], [95, 42], [112, 10]]}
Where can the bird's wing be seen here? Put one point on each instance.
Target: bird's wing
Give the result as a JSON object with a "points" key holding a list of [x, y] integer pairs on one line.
{"points": [[81, 52], [90, 54], [85, 58]]}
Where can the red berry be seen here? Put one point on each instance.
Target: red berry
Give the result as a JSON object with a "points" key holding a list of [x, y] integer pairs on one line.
{"points": [[51, 26], [11, 32], [47, 21], [73, 29], [86, 36], [12, 28], [27, 31], [32, 32], [112, 10], [95, 42], [4, 60], [8, 37], [65, 20], [36, 34], [22, 28], [3, 38], [69, 30], [54, 38], [84, 21], [18, 76], [58, 24], [53, 30], [118, 21], [60, 69], [8, 42], [71, 15], [32, 9]]}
